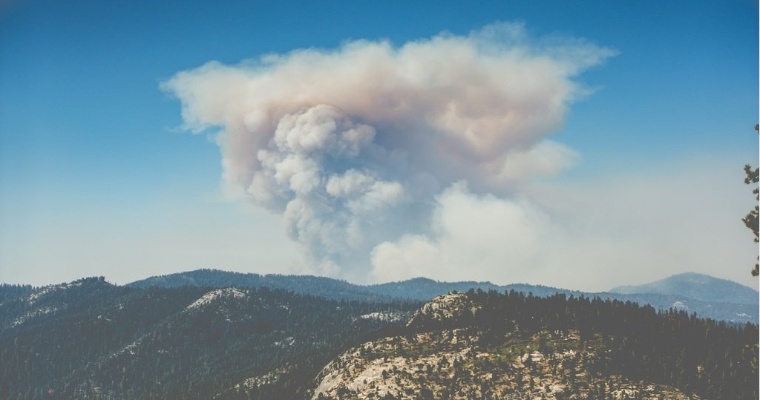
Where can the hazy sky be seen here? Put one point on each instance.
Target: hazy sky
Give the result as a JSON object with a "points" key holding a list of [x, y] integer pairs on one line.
{"points": [[581, 145]]}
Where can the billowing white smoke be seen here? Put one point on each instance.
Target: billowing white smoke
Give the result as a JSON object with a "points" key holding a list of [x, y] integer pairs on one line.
{"points": [[353, 145]]}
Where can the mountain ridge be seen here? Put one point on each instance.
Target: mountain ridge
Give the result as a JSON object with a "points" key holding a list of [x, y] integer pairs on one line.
{"points": [[704, 295], [424, 289]]}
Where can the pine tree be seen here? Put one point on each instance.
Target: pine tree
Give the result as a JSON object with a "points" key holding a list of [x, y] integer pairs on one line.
{"points": [[752, 176]]}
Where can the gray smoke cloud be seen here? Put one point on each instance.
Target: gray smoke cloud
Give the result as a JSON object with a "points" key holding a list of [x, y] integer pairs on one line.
{"points": [[353, 146]]}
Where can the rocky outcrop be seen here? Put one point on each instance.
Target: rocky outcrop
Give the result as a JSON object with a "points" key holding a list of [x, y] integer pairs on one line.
{"points": [[469, 363]]}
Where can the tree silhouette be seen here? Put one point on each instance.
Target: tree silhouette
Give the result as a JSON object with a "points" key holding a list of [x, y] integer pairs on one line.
{"points": [[750, 220]]}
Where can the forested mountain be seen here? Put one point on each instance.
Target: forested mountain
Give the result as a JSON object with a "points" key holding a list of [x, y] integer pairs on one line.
{"points": [[89, 339], [687, 291], [487, 345], [414, 289], [425, 289], [303, 284]]}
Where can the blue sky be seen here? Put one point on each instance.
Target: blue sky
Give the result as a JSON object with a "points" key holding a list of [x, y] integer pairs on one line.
{"points": [[97, 176]]}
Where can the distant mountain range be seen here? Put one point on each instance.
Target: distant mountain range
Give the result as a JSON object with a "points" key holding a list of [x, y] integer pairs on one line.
{"points": [[698, 287], [707, 296], [422, 289]]}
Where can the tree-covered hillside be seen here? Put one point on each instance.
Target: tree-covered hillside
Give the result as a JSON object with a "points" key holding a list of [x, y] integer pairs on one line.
{"points": [[712, 359], [90, 339], [489, 345], [302, 284], [8, 292]]}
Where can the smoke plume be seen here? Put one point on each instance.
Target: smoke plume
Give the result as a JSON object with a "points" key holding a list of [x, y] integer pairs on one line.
{"points": [[353, 146]]}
